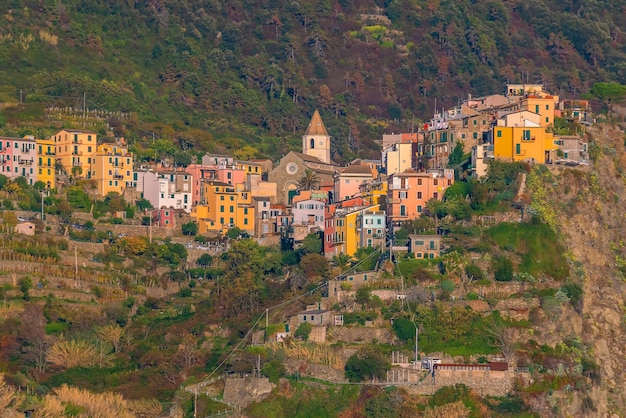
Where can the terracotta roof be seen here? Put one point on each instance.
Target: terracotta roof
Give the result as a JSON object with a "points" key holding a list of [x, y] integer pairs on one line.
{"points": [[357, 169], [316, 126], [78, 131], [308, 158]]}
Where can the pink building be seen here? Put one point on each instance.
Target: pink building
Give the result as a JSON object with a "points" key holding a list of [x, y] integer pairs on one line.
{"points": [[218, 168], [18, 158], [163, 217], [409, 192], [347, 182]]}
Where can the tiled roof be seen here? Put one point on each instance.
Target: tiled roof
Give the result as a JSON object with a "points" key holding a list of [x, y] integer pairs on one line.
{"points": [[316, 126]]}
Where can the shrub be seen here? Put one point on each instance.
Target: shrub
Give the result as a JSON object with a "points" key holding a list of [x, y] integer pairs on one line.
{"points": [[447, 286], [503, 269], [472, 296], [369, 363], [274, 370], [404, 329], [185, 292], [190, 228], [303, 331]]}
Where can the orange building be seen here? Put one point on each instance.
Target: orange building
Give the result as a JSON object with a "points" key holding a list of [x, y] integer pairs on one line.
{"points": [[409, 192]]}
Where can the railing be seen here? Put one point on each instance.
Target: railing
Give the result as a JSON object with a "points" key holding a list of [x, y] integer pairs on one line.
{"points": [[118, 176]]}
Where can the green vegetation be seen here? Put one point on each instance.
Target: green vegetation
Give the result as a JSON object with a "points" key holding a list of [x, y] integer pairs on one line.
{"points": [[536, 244], [306, 401], [369, 363]]}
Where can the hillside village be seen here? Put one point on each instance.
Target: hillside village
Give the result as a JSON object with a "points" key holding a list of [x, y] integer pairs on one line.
{"points": [[307, 191], [374, 272]]}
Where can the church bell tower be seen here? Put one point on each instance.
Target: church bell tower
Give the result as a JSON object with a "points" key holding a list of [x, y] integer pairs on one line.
{"points": [[316, 141]]}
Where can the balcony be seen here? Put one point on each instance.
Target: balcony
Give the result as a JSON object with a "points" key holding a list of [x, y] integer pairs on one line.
{"points": [[77, 153], [118, 176], [25, 162], [51, 153]]}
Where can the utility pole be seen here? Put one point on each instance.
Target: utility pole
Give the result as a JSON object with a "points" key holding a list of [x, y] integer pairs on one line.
{"points": [[195, 402], [75, 263], [416, 342], [42, 205], [267, 313]]}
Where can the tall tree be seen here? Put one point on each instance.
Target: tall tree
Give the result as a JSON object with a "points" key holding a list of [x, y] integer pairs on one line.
{"points": [[309, 180]]}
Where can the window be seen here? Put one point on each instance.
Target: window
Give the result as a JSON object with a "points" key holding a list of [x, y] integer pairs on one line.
{"points": [[499, 133], [419, 182], [526, 135], [369, 232], [435, 195], [245, 221], [231, 209], [402, 210], [419, 242], [222, 208], [312, 317], [475, 122], [475, 135], [402, 195], [221, 197], [245, 211], [435, 182], [231, 221], [304, 318], [312, 143], [547, 119], [518, 149], [419, 209], [419, 195], [222, 221]]}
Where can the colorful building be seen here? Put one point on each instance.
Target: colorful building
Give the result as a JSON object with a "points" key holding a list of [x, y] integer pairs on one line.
{"points": [[397, 158], [111, 168], [74, 149], [409, 192], [167, 189], [374, 191], [18, 158], [348, 180], [542, 105], [523, 143], [46, 162], [371, 225], [226, 207], [425, 246]]}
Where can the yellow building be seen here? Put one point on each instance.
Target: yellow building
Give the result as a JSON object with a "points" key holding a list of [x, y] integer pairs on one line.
{"points": [[74, 149], [543, 105], [375, 191], [523, 143], [348, 228], [226, 207], [46, 162], [111, 168], [250, 167]]}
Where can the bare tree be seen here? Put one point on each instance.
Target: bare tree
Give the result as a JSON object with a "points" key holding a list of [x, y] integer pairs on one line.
{"points": [[33, 336], [502, 337]]}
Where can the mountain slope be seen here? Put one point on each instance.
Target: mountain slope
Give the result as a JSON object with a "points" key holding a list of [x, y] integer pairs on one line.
{"points": [[591, 218], [259, 68]]}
